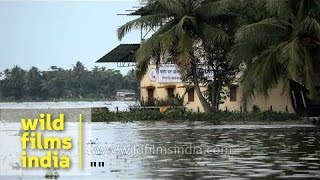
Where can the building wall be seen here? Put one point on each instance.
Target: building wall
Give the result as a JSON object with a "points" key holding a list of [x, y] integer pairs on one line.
{"points": [[278, 100], [160, 91]]}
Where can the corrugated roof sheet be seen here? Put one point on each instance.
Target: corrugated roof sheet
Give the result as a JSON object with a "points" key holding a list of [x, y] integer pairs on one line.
{"points": [[122, 53]]}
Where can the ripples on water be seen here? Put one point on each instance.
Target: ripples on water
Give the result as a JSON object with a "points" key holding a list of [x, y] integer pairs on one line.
{"points": [[285, 152], [258, 152]]}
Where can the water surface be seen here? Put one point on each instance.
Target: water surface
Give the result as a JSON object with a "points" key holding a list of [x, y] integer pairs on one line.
{"points": [[265, 152], [112, 105], [127, 149]]}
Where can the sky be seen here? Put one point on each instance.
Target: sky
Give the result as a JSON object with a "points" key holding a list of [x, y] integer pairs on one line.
{"points": [[60, 33]]}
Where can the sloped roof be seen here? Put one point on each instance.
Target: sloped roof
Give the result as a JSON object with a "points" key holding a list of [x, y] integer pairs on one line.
{"points": [[144, 10], [139, 12], [122, 53]]}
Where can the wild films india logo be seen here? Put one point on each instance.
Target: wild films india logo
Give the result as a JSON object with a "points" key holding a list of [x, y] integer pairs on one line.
{"points": [[36, 137]]}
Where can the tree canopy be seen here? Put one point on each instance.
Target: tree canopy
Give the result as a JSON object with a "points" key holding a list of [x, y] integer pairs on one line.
{"points": [[281, 47], [58, 83], [185, 26], [181, 26]]}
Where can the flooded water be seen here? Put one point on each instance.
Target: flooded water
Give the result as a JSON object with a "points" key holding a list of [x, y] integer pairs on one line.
{"points": [[196, 150], [142, 151], [283, 152], [111, 105]]}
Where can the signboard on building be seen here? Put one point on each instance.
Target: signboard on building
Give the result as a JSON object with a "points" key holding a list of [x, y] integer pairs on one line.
{"points": [[169, 73], [152, 75]]}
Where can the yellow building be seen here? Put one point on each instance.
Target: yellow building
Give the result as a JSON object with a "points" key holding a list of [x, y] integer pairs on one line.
{"points": [[163, 82], [152, 87]]}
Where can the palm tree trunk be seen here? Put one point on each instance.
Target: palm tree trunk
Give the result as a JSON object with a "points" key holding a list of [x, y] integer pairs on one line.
{"points": [[215, 95], [203, 101]]}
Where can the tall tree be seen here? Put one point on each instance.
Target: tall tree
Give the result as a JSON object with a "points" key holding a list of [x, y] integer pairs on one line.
{"points": [[281, 47], [182, 25], [216, 73], [33, 83], [78, 80], [14, 83]]}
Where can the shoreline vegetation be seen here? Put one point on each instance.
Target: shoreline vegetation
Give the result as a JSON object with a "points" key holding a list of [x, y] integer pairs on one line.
{"points": [[58, 84], [217, 118], [178, 114]]}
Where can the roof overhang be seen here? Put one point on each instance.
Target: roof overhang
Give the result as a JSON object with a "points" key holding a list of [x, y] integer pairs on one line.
{"points": [[167, 86], [148, 87], [144, 10], [122, 53]]}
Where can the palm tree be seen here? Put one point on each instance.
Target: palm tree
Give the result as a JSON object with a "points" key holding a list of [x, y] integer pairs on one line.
{"points": [[284, 46], [181, 25]]}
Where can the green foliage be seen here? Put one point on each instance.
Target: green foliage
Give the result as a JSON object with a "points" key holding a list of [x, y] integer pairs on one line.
{"points": [[12, 86], [171, 101], [180, 25], [283, 46], [255, 109], [57, 83], [183, 27], [176, 114]]}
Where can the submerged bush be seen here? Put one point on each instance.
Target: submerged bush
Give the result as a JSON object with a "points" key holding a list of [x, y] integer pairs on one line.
{"points": [[176, 114], [255, 109]]}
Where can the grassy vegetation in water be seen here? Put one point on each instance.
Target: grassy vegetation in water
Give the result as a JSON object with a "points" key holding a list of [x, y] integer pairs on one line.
{"points": [[214, 117]]}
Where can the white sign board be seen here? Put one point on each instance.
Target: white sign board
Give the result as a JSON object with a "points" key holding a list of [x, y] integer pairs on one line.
{"points": [[169, 73]]}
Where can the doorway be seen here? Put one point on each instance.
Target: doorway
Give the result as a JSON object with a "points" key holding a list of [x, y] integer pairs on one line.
{"points": [[150, 94]]}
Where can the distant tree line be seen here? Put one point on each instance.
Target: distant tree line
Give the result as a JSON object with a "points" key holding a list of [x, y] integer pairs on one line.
{"points": [[17, 84]]}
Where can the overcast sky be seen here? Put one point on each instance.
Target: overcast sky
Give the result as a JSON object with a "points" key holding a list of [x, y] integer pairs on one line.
{"points": [[57, 33]]}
